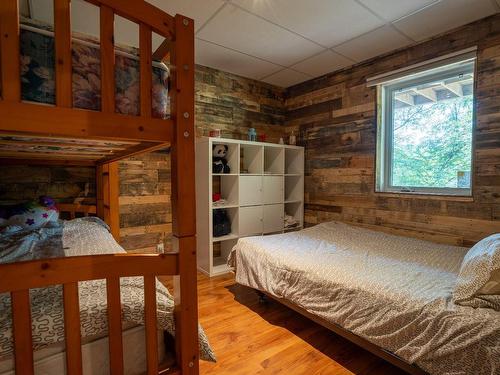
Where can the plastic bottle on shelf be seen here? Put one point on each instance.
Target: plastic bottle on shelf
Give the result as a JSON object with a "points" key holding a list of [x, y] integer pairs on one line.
{"points": [[252, 135], [292, 140]]}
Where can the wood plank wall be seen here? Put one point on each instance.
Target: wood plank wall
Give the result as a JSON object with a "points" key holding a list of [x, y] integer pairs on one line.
{"points": [[223, 101], [234, 104], [145, 212], [334, 116], [19, 183]]}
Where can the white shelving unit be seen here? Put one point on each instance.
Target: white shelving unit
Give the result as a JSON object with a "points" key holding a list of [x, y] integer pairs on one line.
{"points": [[266, 181]]}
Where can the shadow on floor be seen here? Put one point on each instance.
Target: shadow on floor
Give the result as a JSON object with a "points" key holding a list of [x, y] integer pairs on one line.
{"points": [[348, 355]]}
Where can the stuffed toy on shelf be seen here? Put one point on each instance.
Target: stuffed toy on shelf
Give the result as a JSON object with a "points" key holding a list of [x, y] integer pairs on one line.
{"points": [[219, 161]]}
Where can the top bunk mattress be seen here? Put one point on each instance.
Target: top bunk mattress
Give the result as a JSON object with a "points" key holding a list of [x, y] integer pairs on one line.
{"points": [[37, 50], [393, 291]]}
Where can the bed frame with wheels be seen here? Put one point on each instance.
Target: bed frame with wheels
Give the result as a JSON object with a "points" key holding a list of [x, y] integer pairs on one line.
{"points": [[124, 135]]}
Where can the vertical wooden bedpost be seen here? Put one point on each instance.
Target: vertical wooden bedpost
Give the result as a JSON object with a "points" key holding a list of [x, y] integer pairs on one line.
{"points": [[183, 196], [107, 189], [62, 28], [9, 50]]}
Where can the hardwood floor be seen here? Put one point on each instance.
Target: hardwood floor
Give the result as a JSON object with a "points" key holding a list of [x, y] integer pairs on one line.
{"points": [[250, 338]]}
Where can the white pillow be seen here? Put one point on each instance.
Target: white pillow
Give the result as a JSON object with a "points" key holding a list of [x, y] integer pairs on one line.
{"points": [[478, 283]]}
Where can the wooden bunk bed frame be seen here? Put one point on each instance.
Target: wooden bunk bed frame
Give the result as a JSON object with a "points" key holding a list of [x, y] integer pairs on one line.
{"points": [[136, 134]]}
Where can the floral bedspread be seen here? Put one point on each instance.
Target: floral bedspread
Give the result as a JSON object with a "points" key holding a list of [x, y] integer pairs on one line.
{"points": [[38, 73]]}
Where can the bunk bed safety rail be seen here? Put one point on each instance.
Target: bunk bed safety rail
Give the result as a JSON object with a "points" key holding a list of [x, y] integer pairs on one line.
{"points": [[18, 279], [73, 209], [84, 122]]}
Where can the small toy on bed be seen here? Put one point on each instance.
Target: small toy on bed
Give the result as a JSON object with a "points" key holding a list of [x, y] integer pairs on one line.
{"points": [[219, 161], [28, 215]]}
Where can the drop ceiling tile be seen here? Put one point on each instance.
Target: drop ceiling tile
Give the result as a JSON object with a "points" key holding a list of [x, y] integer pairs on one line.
{"points": [[374, 43], [237, 29], [286, 78], [391, 10], [214, 56], [198, 10], [326, 22], [325, 62], [444, 16]]}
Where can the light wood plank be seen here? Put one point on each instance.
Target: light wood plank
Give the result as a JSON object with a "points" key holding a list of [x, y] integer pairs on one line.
{"points": [[141, 12], [162, 53], [150, 324], [145, 69], [114, 206], [282, 341], [41, 119], [99, 191], [107, 19], [115, 325], [54, 271], [72, 329], [9, 50], [62, 40], [183, 197], [182, 151], [21, 329], [186, 306]]}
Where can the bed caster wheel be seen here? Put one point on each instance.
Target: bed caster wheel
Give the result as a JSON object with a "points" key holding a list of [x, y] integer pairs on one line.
{"points": [[262, 298]]}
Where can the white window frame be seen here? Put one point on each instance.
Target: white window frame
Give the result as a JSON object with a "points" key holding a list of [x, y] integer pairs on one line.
{"points": [[385, 123]]}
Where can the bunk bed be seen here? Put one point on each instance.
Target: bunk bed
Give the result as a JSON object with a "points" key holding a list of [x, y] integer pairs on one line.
{"points": [[62, 133]]}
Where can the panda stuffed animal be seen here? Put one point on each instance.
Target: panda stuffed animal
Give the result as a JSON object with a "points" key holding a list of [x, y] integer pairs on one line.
{"points": [[219, 161]]}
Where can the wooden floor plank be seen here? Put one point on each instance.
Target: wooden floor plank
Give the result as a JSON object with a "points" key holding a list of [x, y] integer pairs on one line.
{"points": [[250, 338]]}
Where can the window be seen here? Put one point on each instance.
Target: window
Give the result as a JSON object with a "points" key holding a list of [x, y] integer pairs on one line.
{"points": [[425, 125]]}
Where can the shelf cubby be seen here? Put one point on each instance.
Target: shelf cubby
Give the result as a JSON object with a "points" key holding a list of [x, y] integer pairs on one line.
{"points": [[295, 209], [227, 187], [274, 160], [232, 213], [232, 156], [251, 159], [294, 160], [294, 188], [221, 252]]}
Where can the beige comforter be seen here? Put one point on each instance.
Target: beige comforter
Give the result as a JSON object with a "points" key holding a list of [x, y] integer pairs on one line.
{"points": [[84, 236], [393, 291]]}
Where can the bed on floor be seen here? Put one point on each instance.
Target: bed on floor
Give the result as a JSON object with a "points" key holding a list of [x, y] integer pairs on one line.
{"points": [[71, 238], [390, 294]]}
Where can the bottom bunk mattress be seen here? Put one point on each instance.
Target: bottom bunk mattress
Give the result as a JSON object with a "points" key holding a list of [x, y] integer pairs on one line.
{"points": [[84, 236], [95, 356], [393, 291]]}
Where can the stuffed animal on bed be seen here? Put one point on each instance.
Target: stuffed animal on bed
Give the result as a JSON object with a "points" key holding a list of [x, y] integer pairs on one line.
{"points": [[32, 215], [219, 161]]}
